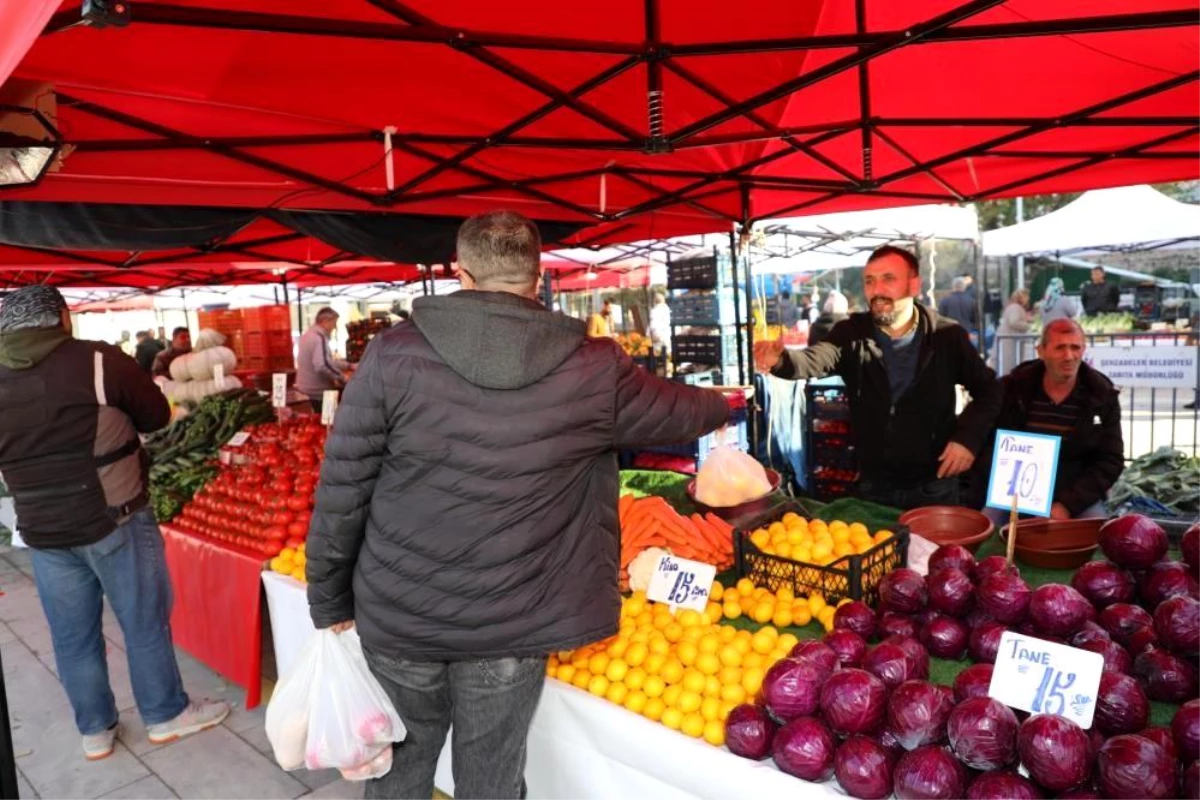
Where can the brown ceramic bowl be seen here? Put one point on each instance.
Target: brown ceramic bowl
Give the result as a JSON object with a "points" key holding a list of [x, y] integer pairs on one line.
{"points": [[755, 506], [1055, 544], [949, 525]]}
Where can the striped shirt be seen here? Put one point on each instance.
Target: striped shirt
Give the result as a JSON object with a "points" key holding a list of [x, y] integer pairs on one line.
{"points": [[1054, 419]]}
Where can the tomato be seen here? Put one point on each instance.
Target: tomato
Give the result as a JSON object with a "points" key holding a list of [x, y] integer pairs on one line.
{"points": [[297, 530], [275, 532], [299, 502], [283, 518]]}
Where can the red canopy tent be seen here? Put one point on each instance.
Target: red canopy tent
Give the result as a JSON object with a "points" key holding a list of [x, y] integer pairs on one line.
{"points": [[638, 119]]}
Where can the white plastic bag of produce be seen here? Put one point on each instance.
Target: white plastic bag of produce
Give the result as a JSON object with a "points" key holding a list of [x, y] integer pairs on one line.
{"points": [[287, 712], [346, 719], [729, 477]]}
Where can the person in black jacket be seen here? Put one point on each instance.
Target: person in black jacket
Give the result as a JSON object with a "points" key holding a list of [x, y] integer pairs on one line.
{"points": [[901, 363], [466, 518], [1059, 395], [70, 415], [147, 350], [960, 306], [1099, 296]]}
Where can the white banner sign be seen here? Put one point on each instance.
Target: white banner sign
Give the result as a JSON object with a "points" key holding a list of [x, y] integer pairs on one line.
{"points": [[1168, 367]]}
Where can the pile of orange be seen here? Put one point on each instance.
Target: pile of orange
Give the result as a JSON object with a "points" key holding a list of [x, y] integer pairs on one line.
{"points": [[684, 670], [780, 608], [815, 541], [290, 561]]}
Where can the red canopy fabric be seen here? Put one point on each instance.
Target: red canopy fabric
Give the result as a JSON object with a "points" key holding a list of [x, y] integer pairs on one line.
{"points": [[647, 119], [21, 21]]}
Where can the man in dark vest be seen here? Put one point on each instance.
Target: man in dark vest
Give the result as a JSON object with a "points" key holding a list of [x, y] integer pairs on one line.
{"points": [[70, 415]]}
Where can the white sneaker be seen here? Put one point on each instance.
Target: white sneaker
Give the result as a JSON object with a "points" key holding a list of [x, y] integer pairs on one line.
{"points": [[100, 745], [198, 716]]}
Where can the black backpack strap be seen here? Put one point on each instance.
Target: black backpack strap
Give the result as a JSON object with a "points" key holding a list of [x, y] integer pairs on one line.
{"points": [[124, 451]]}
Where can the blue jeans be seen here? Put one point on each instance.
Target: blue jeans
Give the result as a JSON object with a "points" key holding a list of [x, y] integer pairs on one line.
{"points": [[491, 705], [129, 567]]}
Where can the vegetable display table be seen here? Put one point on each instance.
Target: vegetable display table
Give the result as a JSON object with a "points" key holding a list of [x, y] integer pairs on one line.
{"points": [[581, 745], [217, 614]]}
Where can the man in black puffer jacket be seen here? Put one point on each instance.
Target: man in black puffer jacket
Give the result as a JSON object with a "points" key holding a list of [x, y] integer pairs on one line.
{"points": [[466, 519]]}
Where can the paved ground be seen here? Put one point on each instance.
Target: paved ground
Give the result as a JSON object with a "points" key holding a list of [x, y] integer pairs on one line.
{"points": [[230, 761]]}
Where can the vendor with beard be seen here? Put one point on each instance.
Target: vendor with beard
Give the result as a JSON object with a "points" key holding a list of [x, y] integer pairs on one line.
{"points": [[901, 364]]}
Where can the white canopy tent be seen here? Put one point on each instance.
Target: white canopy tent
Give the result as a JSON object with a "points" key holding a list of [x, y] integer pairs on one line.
{"points": [[840, 241], [1125, 218]]}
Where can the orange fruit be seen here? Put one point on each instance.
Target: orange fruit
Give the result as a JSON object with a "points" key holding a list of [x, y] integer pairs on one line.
{"points": [[636, 702], [708, 663], [634, 678], [694, 681], [654, 663], [689, 702], [714, 732], [598, 685], [582, 679], [712, 686], [617, 670], [565, 672], [671, 695], [733, 693], [672, 671], [654, 686], [716, 591], [636, 654], [672, 718], [616, 693], [654, 709], [598, 663], [692, 725]]}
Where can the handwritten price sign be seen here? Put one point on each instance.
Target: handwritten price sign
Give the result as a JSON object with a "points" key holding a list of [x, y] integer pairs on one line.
{"points": [[1046, 678], [681, 583], [279, 389], [1024, 465]]}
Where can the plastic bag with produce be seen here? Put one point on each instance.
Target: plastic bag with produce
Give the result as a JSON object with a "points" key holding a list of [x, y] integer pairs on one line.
{"points": [[330, 712], [729, 477]]}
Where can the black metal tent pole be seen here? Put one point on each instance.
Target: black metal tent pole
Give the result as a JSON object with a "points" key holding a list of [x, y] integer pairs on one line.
{"points": [[737, 306]]}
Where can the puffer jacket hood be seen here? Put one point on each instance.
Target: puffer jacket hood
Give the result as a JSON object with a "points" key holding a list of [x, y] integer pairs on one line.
{"points": [[23, 349], [497, 340]]}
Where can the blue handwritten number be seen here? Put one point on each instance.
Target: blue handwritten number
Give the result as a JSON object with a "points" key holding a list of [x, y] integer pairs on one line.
{"points": [[683, 584], [1012, 483], [1049, 698]]}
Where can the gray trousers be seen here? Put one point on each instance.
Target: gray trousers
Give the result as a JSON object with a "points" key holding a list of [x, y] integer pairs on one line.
{"points": [[490, 704]]}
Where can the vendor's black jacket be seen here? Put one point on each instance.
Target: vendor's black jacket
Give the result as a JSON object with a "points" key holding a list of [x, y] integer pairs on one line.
{"points": [[70, 414], [1092, 454], [899, 442], [467, 507], [1099, 298]]}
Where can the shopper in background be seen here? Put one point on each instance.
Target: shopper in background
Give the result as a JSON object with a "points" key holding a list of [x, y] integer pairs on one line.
{"points": [[960, 306], [1099, 296], [837, 308], [147, 349], [1015, 320], [466, 519], [1055, 304], [70, 416], [317, 371], [901, 363], [181, 344], [1059, 395], [600, 323], [660, 323]]}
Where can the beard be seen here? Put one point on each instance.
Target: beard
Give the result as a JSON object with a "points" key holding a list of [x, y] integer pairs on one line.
{"points": [[883, 311]]}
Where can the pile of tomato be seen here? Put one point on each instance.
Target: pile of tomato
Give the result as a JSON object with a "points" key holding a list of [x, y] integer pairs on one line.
{"points": [[264, 503]]}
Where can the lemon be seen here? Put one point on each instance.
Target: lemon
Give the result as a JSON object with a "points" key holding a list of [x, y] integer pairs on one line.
{"points": [[693, 725], [672, 718], [714, 732]]}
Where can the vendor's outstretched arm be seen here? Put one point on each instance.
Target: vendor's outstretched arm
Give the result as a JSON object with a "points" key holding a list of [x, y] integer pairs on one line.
{"points": [[353, 457], [817, 361]]}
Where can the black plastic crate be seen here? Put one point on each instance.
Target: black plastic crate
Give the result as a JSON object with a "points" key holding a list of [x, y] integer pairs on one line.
{"points": [[693, 273], [855, 576], [697, 349]]}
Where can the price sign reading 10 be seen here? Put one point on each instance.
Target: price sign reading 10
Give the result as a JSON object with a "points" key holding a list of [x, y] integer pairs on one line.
{"points": [[1024, 467]]}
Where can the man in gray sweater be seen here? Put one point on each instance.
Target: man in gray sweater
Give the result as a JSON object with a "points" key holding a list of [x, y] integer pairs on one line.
{"points": [[466, 520]]}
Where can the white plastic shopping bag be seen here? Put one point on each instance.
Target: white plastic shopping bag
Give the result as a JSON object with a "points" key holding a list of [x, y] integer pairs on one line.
{"points": [[346, 719]]}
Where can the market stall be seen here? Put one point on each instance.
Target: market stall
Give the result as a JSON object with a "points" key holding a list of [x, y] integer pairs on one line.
{"points": [[606, 736]]}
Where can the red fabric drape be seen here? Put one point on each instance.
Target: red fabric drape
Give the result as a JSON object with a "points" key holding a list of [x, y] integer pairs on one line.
{"points": [[20, 23]]}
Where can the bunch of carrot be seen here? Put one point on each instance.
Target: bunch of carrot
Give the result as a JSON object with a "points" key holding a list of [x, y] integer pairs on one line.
{"points": [[651, 522]]}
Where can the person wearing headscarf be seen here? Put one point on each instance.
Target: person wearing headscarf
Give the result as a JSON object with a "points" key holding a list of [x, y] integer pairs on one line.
{"points": [[70, 417], [1056, 305]]}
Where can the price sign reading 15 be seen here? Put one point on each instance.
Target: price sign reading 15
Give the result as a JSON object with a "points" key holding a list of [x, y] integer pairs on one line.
{"points": [[1046, 678], [1024, 466], [681, 583]]}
